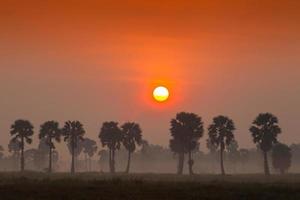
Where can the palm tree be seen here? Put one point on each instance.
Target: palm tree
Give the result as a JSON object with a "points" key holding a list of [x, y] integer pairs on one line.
{"points": [[89, 149], [111, 136], [220, 133], [132, 136], [22, 131], [281, 157], [186, 130], [264, 131], [50, 132], [73, 132]]}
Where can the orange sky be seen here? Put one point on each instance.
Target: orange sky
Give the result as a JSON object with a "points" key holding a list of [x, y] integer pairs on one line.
{"points": [[98, 60]]}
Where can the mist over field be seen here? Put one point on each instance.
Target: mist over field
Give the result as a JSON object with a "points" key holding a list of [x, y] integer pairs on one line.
{"points": [[149, 99]]}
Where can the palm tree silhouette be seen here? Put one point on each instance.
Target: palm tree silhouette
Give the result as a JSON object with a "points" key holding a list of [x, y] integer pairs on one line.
{"points": [[111, 136], [73, 132], [220, 133], [186, 130], [89, 149], [50, 132], [264, 131], [132, 136], [22, 131]]}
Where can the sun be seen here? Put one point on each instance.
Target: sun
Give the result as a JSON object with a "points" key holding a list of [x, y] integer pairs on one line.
{"points": [[161, 93]]}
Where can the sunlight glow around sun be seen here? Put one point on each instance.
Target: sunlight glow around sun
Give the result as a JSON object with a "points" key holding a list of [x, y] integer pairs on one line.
{"points": [[161, 94]]}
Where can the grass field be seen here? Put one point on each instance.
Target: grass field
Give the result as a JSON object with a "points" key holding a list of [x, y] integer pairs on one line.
{"points": [[31, 185]]}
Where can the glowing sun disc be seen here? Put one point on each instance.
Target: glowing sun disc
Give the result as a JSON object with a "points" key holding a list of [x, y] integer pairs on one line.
{"points": [[160, 93]]}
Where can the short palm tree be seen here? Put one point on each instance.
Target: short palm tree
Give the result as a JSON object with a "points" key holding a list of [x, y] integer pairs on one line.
{"points": [[132, 136], [220, 133], [73, 133], [22, 131], [186, 130], [50, 132], [89, 149], [264, 131], [111, 136]]}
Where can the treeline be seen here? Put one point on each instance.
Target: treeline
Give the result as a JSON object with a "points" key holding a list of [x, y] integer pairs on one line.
{"points": [[186, 131]]}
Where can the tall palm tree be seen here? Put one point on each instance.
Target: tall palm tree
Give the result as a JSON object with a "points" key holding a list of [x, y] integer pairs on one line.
{"points": [[132, 136], [50, 132], [111, 136], [186, 130], [22, 131], [89, 149], [73, 133], [264, 131], [220, 133]]}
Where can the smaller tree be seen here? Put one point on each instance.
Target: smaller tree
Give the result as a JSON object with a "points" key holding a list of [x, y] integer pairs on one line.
{"points": [[281, 157], [22, 131], [41, 154], [220, 133], [89, 149], [212, 154], [14, 147], [233, 153], [244, 156], [132, 136]]}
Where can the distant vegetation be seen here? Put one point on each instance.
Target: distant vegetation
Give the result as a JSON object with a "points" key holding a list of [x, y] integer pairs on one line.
{"points": [[123, 147]]}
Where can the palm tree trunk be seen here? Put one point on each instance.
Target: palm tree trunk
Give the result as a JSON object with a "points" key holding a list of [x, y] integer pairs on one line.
{"points": [[180, 163], [128, 162], [266, 164], [22, 155], [190, 162], [221, 159], [73, 159], [50, 160]]}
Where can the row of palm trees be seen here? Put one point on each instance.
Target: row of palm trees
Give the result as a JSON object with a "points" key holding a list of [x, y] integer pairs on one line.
{"points": [[111, 135], [187, 128], [186, 131]]}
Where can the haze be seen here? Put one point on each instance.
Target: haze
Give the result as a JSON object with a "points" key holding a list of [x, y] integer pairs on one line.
{"points": [[95, 62]]}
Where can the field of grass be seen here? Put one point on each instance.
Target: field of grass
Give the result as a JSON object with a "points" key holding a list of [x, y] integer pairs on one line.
{"points": [[32, 185]]}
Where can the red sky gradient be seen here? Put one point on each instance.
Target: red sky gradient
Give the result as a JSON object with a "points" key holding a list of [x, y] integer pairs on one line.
{"points": [[99, 60]]}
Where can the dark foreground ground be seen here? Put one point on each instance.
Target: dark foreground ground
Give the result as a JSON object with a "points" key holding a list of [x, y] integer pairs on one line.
{"points": [[92, 186]]}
